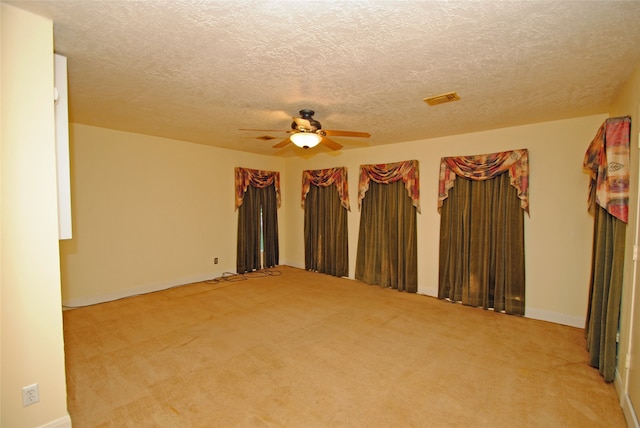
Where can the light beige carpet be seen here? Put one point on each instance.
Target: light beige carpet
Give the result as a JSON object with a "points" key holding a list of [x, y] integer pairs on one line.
{"points": [[310, 350]]}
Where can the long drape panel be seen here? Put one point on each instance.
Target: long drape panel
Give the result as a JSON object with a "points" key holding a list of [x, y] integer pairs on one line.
{"points": [[605, 292], [482, 245], [269, 204], [257, 218], [607, 161], [248, 254], [387, 241], [326, 247]]}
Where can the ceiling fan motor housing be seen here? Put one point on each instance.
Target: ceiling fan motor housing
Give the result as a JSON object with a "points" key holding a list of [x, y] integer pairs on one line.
{"points": [[307, 115]]}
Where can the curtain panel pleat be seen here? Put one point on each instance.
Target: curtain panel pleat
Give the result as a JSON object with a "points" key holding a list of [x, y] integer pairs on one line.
{"points": [[269, 204], [387, 240], [248, 249], [482, 260], [325, 232]]}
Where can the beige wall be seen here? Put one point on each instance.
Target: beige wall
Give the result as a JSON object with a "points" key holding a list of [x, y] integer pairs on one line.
{"points": [[149, 213], [557, 234], [628, 381], [31, 315]]}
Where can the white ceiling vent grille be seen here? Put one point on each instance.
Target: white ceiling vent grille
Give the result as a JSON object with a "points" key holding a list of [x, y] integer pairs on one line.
{"points": [[441, 99]]}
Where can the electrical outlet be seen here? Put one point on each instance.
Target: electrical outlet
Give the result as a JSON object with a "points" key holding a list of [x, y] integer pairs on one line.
{"points": [[30, 395], [215, 261]]}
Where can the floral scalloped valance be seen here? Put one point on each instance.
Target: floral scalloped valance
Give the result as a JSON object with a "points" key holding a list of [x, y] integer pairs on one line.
{"points": [[607, 161], [386, 173], [246, 177], [485, 167], [325, 178]]}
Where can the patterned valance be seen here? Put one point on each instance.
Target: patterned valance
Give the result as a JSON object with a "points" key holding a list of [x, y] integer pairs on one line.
{"points": [[607, 161], [485, 167], [246, 177], [386, 173], [325, 178]]}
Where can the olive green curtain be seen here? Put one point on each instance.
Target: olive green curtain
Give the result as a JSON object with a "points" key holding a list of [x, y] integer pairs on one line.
{"points": [[482, 245], [269, 204], [248, 249], [326, 247], [387, 252], [605, 291], [257, 220]]}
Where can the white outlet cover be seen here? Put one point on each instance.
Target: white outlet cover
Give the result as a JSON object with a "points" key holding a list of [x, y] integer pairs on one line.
{"points": [[30, 395]]}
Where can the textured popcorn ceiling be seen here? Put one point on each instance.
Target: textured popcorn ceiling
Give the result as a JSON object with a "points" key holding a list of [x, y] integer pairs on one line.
{"points": [[200, 70]]}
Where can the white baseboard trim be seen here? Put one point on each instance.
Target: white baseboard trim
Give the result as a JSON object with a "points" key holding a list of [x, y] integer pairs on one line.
{"points": [[625, 402], [428, 291], [63, 422], [284, 263], [618, 384], [555, 317], [629, 412], [536, 314], [116, 295]]}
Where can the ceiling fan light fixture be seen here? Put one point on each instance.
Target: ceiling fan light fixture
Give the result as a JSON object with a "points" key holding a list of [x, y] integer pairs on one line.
{"points": [[305, 140]]}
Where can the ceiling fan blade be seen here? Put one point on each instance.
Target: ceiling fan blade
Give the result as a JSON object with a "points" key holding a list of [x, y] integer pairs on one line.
{"points": [[334, 133], [262, 130], [330, 143], [282, 143]]}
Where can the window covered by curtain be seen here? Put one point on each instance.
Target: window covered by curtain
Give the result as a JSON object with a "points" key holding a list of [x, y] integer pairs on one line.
{"points": [[607, 161], [387, 240], [325, 199], [482, 230], [257, 195]]}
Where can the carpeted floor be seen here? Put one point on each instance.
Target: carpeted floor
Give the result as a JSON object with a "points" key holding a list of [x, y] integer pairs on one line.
{"points": [[301, 349]]}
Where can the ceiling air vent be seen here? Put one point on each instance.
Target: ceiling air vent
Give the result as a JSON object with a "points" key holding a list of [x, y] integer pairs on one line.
{"points": [[441, 99]]}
